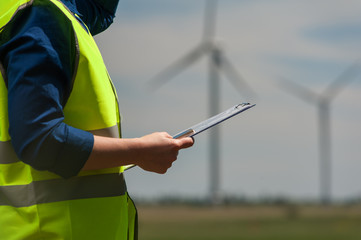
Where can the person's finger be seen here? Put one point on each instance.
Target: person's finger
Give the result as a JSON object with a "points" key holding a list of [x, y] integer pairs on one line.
{"points": [[185, 142]]}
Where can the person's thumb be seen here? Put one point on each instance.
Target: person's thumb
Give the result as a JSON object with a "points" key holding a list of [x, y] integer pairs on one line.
{"points": [[185, 142]]}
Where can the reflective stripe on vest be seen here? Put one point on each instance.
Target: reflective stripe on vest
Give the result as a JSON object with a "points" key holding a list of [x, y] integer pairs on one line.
{"points": [[56, 190]]}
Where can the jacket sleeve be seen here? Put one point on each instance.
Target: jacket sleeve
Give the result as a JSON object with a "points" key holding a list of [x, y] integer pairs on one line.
{"points": [[98, 15], [38, 60]]}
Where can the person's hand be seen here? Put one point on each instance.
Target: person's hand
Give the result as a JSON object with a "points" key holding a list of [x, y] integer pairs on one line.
{"points": [[158, 151]]}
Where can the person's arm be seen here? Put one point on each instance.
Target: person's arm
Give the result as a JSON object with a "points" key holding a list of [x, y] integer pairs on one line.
{"points": [[155, 152], [39, 60]]}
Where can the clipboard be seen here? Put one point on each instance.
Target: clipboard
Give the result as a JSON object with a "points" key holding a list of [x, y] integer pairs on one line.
{"points": [[210, 122], [215, 120]]}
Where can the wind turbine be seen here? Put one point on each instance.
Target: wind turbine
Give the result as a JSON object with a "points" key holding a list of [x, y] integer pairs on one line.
{"points": [[217, 62], [323, 102]]}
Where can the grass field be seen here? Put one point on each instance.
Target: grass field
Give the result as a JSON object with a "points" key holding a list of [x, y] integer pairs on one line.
{"points": [[250, 222]]}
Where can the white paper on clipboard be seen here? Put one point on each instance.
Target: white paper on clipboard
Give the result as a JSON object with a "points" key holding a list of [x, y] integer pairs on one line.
{"points": [[210, 122]]}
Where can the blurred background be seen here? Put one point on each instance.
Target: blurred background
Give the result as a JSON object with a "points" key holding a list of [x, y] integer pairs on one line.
{"points": [[270, 150], [297, 60]]}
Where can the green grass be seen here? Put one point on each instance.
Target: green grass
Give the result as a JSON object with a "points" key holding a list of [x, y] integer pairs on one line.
{"points": [[251, 223]]}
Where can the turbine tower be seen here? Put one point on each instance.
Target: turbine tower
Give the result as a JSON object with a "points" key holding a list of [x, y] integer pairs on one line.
{"points": [[322, 102], [218, 62]]}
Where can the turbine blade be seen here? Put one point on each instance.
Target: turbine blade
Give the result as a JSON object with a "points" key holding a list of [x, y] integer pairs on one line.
{"points": [[210, 19], [235, 77], [299, 91], [178, 66], [340, 82]]}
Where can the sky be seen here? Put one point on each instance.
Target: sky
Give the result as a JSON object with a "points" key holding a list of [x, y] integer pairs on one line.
{"points": [[270, 150]]}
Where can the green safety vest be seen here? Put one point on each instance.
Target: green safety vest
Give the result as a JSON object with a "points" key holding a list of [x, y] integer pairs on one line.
{"points": [[40, 204]]}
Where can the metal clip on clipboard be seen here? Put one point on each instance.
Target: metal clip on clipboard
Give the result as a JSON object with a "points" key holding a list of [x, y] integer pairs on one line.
{"points": [[210, 122]]}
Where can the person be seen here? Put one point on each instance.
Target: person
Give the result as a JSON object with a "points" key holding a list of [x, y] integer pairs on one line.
{"points": [[61, 153]]}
